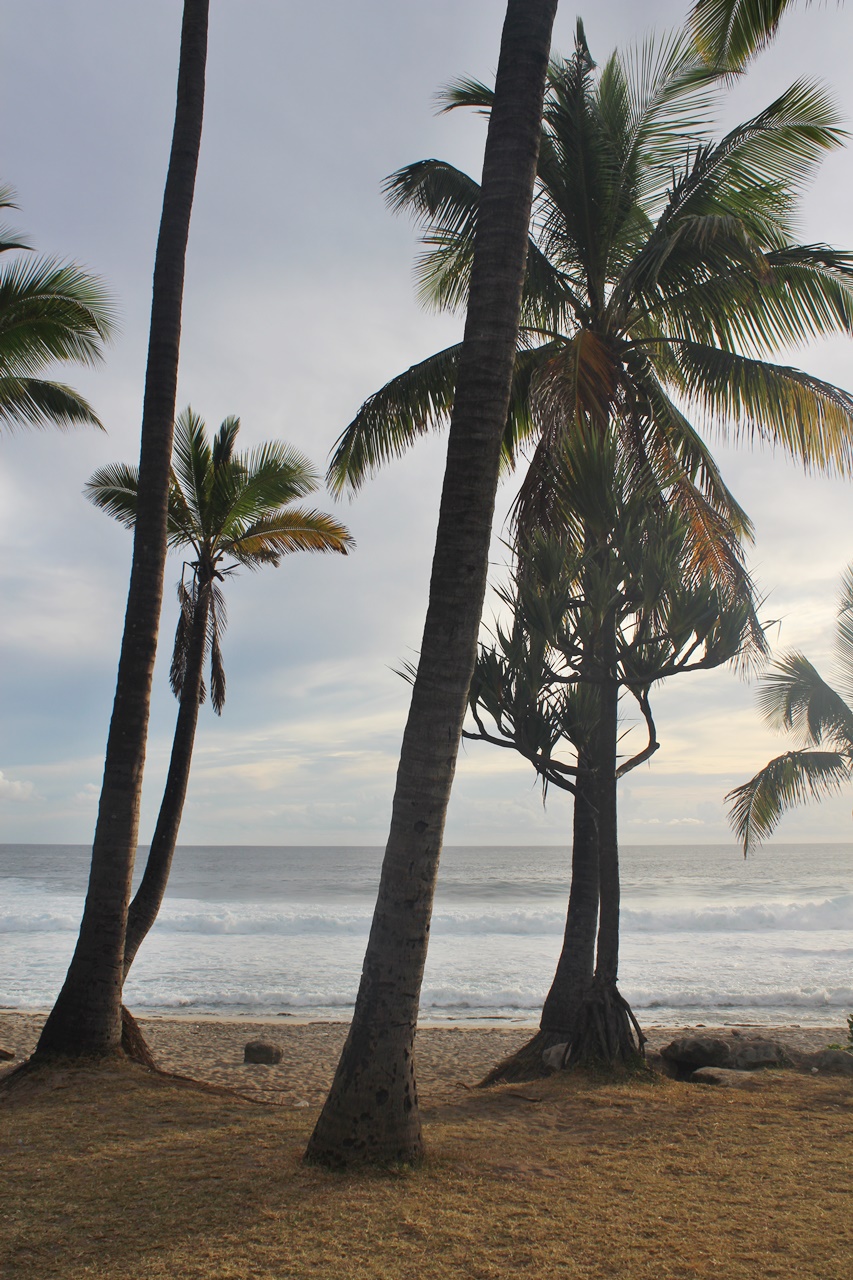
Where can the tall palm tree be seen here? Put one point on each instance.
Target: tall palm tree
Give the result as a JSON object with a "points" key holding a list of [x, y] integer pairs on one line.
{"points": [[49, 311], [226, 510], [371, 1113], [622, 566], [86, 1018], [795, 699]]}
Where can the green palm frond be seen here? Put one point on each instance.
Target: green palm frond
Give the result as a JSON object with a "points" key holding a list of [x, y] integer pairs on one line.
{"points": [[790, 780], [37, 403], [732, 31], [810, 419], [795, 698], [293, 529], [51, 310], [115, 489], [217, 618], [411, 405]]}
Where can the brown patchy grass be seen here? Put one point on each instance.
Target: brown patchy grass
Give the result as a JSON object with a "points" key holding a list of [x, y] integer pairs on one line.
{"points": [[113, 1173]]}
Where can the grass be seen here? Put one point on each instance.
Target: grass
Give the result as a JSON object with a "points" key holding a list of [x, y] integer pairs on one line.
{"points": [[115, 1174]]}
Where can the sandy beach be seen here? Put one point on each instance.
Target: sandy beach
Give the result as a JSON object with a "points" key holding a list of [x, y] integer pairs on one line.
{"points": [[448, 1058]]}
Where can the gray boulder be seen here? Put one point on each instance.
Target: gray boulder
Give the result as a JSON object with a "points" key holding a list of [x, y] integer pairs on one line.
{"points": [[691, 1052], [726, 1077], [836, 1062], [261, 1051], [739, 1053]]}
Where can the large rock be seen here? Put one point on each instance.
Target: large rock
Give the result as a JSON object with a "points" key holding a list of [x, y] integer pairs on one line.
{"points": [[725, 1076], [737, 1053], [832, 1061], [263, 1052]]}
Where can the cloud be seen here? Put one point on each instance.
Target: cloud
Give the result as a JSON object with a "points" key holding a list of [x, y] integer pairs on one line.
{"points": [[685, 822], [88, 794], [10, 790]]}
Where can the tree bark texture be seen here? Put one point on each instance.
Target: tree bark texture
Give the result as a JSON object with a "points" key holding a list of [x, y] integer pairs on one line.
{"points": [[371, 1114], [86, 1019], [148, 898]]}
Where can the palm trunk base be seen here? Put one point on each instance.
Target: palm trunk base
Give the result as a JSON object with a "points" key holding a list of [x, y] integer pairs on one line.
{"points": [[133, 1042], [371, 1115], [604, 1033]]}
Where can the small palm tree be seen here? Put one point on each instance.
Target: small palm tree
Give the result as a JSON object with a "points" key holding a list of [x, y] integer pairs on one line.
{"points": [[795, 699], [49, 311], [228, 510]]}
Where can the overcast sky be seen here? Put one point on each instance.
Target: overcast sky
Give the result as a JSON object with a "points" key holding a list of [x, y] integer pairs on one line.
{"points": [[299, 303]]}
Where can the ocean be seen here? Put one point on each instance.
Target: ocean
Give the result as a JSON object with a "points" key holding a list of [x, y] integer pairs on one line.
{"points": [[707, 937]]}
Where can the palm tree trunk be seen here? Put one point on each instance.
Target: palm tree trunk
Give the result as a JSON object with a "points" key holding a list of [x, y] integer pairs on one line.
{"points": [[146, 903], [371, 1113], [86, 1019]]}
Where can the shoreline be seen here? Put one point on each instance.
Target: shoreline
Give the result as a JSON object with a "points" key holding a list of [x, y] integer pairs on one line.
{"points": [[450, 1058]]}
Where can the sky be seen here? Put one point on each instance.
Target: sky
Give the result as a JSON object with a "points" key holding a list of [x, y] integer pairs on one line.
{"points": [[299, 303]]}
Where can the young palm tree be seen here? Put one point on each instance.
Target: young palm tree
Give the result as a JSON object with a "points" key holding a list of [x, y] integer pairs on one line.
{"points": [[86, 1019], [608, 607], [50, 312], [227, 511], [371, 1113], [795, 699]]}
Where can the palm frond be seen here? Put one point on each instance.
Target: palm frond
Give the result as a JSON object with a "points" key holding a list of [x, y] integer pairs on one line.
{"points": [[794, 697], [36, 403], [790, 780], [411, 405], [115, 489], [733, 31], [217, 618], [293, 529]]}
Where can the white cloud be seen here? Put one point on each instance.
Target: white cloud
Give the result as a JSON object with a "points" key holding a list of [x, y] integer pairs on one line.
{"points": [[10, 790]]}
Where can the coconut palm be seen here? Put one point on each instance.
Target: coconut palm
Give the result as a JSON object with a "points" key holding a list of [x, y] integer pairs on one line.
{"points": [[795, 699], [609, 606], [371, 1113], [227, 511], [86, 1019], [662, 271], [50, 311]]}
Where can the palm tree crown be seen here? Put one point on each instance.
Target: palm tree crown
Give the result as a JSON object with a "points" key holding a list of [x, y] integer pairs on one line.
{"points": [[663, 268], [227, 510], [795, 699], [49, 311]]}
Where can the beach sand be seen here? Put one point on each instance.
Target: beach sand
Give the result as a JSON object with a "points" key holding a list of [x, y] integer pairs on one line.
{"points": [[447, 1057]]}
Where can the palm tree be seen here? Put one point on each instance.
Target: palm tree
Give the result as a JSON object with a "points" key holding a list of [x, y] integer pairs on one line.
{"points": [[371, 1113], [226, 510], [49, 311], [609, 606], [86, 1018], [795, 699]]}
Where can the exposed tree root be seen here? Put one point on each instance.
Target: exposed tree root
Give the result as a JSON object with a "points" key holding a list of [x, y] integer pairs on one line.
{"points": [[604, 1033], [133, 1042]]}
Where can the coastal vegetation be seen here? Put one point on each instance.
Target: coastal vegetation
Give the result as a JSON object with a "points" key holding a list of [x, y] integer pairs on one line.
{"points": [[86, 1018], [663, 272], [226, 511]]}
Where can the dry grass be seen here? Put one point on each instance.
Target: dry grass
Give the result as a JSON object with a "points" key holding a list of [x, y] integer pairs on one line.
{"points": [[119, 1175]]}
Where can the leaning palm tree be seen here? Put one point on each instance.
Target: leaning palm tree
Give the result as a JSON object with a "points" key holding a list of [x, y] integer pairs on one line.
{"points": [[227, 511], [86, 1019], [50, 312], [371, 1113], [795, 699]]}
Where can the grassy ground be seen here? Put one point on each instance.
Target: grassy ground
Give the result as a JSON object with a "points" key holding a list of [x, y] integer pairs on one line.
{"points": [[118, 1175]]}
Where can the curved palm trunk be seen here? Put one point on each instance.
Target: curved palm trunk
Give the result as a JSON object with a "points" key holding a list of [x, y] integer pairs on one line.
{"points": [[371, 1113], [86, 1019], [146, 902]]}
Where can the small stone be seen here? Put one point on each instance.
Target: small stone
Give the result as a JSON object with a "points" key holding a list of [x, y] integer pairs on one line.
{"points": [[261, 1051], [553, 1057], [6, 1055]]}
